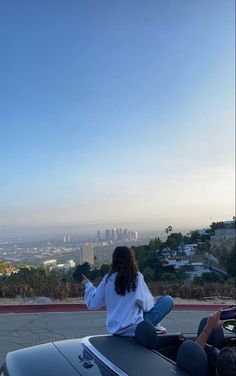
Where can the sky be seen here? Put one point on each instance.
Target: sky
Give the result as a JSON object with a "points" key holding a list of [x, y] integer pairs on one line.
{"points": [[117, 111]]}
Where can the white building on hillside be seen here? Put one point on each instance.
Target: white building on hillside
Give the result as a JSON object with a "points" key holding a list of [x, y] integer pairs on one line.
{"points": [[176, 262], [223, 234], [69, 264], [190, 249], [198, 268], [60, 266], [50, 263]]}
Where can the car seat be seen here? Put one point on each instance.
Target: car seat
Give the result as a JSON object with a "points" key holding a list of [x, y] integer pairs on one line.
{"points": [[192, 358], [146, 335], [166, 344]]}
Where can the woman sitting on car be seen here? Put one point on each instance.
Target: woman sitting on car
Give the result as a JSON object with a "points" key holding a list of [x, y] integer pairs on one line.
{"points": [[125, 295]]}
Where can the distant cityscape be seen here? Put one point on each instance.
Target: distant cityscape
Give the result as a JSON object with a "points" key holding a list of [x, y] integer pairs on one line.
{"points": [[69, 250]]}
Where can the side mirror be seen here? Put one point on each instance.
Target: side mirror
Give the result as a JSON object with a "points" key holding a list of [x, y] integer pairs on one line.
{"points": [[230, 325]]}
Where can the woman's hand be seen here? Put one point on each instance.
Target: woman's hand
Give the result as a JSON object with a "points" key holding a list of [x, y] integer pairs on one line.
{"points": [[84, 280], [213, 321]]}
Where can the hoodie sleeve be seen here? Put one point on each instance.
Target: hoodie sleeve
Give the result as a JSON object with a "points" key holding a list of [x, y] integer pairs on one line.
{"points": [[94, 298], [143, 296]]}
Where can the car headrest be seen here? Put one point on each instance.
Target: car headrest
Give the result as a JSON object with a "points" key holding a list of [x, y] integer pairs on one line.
{"points": [[216, 338], [145, 334], [192, 358]]}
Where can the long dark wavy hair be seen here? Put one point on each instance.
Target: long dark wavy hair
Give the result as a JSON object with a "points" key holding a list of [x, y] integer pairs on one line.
{"points": [[124, 263]]}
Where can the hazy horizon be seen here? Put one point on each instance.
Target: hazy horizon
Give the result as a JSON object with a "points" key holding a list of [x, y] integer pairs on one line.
{"points": [[77, 229], [117, 112]]}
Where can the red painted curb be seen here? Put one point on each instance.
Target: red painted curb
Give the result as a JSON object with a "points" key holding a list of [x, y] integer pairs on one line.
{"points": [[41, 308]]}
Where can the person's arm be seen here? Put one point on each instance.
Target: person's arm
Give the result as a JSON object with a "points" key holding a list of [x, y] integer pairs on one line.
{"points": [[143, 296], [94, 298], [213, 322]]}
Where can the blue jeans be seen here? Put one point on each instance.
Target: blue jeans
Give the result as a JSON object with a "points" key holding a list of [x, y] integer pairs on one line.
{"points": [[161, 308]]}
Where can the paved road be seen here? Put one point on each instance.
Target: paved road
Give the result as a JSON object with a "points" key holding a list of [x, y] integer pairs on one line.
{"points": [[22, 330]]}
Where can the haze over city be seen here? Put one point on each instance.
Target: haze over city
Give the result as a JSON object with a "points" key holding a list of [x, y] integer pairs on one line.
{"points": [[116, 112]]}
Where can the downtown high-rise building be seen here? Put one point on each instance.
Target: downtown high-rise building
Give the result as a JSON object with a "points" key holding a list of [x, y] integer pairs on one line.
{"points": [[86, 254], [99, 238], [125, 233], [66, 238], [114, 234], [118, 234], [107, 235]]}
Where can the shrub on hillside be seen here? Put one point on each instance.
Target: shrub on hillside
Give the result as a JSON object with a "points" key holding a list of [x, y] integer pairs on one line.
{"points": [[192, 291]]}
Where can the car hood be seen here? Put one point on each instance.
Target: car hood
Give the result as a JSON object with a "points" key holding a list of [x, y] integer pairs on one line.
{"points": [[38, 360]]}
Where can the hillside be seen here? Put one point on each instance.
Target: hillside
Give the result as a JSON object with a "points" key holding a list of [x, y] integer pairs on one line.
{"points": [[222, 247]]}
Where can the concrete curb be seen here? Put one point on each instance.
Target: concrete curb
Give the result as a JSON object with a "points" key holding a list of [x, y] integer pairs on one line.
{"points": [[44, 308]]}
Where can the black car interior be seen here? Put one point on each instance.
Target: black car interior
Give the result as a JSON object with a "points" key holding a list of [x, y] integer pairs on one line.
{"points": [[185, 352]]}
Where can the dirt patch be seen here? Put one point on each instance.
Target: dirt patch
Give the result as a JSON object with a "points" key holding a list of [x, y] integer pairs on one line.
{"points": [[213, 300], [18, 301]]}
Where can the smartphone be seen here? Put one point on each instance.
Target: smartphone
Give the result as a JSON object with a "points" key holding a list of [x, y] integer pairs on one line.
{"points": [[228, 314]]}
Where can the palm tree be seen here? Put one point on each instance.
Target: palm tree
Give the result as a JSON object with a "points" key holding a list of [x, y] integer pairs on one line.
{"points": [[168, 229]]}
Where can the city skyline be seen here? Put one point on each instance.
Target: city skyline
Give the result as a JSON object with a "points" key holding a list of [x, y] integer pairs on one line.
{"points": [[117, 113]]}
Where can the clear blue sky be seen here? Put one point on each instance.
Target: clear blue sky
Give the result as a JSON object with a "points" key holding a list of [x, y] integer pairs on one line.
{"points": [[116, 110]]}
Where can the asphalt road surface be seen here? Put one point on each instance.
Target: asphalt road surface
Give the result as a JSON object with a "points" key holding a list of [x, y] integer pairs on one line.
{"points": [[23, 330]]}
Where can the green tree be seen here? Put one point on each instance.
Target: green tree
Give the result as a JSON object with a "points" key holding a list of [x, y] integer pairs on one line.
{"points": [[147, 258], [80, 270], [203, 247], [205, 237], [155, 244], [168, 229], [228, 260], [174, 240], [36, 278], [216, 226], [195, 236], [151, 244], [186, 239], [94, 274], [104, 269], [182, 272], [144, 256], [148, 274], [168, 277]]}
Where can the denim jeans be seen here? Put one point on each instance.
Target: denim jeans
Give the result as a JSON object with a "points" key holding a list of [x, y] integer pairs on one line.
{"points": [[161, 308]]}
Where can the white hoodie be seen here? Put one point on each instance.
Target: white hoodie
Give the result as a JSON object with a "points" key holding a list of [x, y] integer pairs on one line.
{"points": [[124, 313]]}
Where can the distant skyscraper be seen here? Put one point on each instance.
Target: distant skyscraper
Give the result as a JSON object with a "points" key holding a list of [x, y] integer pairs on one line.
{"points": [[66, 238], [119, 234], [131, 235], [114, 234], [125, 234], [108, 235], [86, 254], [99, 238]]}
